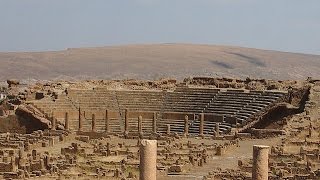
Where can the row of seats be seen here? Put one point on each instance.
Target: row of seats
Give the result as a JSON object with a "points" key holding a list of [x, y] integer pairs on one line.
{"points": [[242, 105], [239, 104], [189, 99], [140, 100]]}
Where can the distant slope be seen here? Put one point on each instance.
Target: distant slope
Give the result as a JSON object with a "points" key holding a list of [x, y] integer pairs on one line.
{"points": [[156, 61]]}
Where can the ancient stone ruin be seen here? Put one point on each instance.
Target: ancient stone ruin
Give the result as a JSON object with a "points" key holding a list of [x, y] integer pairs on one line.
{"points": [[201, 128]]}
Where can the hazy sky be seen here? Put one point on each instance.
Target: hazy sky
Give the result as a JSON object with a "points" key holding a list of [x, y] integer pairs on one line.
{"points": [[37, 25]]}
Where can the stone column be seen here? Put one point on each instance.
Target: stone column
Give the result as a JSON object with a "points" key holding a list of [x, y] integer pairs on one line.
{"points": [[201, 124], [140, 126], [53, 122], [108, 149], [310, 130], [107, 128], [237, 123], [220, 150], [66, 121], [217, 129], [80, 120], [126, 122], [148, 160], [26, 146], [93, 125], [154, 124], [34, 154], [21, 153], [51, 141], [168, 129], [186, 125], [260, 162], [21, 160], [14, 166], [42, 164]]}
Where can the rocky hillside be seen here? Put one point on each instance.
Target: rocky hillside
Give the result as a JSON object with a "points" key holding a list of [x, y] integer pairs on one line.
{"points": [[157, 61]]}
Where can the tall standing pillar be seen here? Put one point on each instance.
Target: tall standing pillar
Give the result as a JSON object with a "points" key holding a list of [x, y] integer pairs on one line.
{"points": [[107, 127], [217, 129], [108, 149], [126, 122], [80, 120], [260, 162], [53, 122], [148, 160], [201, 124], [237, 123], [66, 121], [14, 166], [93, 125], [186, 125], [140, 126], [168, 129], [154, 123]]}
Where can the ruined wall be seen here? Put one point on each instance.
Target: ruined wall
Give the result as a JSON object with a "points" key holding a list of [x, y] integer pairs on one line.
{"points": [[275, 118], [299, 97], [174, 115], [248, 83], [31, 121], [144, 114], [12, 124], [213, 118]]}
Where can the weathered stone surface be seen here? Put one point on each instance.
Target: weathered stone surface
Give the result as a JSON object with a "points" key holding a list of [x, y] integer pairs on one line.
{"points": [[148, 160], [260, 162]]}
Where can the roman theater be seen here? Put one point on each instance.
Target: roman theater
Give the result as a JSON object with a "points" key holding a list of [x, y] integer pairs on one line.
{"points": [[196, 128]]}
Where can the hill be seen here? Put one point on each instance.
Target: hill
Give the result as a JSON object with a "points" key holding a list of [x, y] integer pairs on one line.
{"points": [[157, 61]]}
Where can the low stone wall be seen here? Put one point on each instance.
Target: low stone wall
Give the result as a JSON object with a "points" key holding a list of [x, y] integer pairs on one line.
{"points": [[264, 133]]}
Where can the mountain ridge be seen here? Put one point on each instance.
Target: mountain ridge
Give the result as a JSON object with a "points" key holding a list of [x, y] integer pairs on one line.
{"points": [[154, 61]]}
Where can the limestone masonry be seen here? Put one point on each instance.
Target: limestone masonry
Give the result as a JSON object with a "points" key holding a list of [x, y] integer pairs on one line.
{"points": [[200, 128]]}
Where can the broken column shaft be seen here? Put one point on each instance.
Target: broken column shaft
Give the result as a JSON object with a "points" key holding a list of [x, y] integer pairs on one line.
{"points": [[201, 124], [186, 125], [168, 129], [107, 128], [260, 162], [140, 125], [217, 129], [66, 121], [80, 120], [93, 125], [148, 160], [154, 123], [126, 122], [53, 122]]}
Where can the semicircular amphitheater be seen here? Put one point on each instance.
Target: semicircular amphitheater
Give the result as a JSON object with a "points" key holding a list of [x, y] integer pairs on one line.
{"points": [[201, 128], [192, 110]]}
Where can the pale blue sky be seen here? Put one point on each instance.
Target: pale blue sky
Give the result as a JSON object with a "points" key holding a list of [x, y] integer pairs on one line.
{"points": [[37, 25]]}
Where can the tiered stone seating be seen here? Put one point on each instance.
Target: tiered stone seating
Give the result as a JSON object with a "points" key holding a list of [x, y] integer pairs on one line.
{"points": [[115, 126], [147, 122], [189, 99], [96, 99], [230, 103], [258, 104], [100, 116], [48, 105], [140, 100], [209, 124], [242, 105], [73, 120], [176, 121], [236, 106]]}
